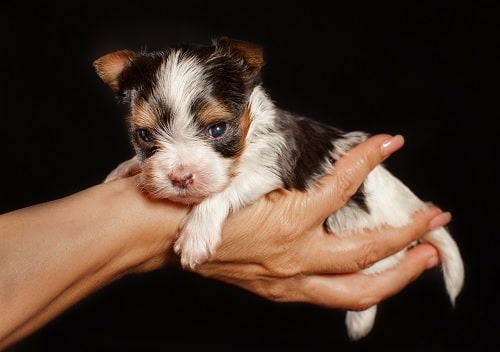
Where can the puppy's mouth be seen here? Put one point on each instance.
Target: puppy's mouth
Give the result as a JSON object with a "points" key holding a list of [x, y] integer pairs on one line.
{"points": [[175, 194], [188, 194], [185, 198]]}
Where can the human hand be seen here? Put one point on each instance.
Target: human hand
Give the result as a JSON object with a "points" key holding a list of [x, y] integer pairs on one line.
{"points": [[86, 240], [270, 250]]}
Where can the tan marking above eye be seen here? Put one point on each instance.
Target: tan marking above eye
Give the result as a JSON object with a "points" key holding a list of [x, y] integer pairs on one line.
{"points": [[143, 115], [212, 112]]}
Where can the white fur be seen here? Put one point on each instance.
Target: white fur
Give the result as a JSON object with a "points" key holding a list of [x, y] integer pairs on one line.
{"points": [[359, 324], [393, 203], [177, 88]]}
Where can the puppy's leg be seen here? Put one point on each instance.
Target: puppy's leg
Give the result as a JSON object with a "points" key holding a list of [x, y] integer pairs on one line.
{"points": [[200, 234], [126, 168], [360, 323]]}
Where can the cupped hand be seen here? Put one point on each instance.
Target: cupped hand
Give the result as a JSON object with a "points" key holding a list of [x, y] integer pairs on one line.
{"points": [[279, 249]]}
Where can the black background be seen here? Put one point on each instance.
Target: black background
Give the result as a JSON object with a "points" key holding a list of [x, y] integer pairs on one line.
{"points": [[416, 68]]}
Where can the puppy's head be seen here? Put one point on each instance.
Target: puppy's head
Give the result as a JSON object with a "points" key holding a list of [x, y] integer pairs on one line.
{"points": [[188, 112]]}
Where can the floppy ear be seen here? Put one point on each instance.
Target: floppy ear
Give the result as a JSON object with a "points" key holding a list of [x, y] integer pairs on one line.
{"points": [[250, 53], [110, 67]]}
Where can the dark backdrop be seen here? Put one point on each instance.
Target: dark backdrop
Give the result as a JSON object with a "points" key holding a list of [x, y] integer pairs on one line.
{"points": [[415, 68]]}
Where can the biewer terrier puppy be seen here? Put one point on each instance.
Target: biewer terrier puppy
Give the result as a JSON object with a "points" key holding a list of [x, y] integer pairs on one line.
{"points": [[207, 134]]}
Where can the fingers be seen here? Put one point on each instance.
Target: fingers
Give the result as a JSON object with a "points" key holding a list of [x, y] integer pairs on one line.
{"points": [[359, 291], [355, 291], [336, 188], [328, 253]]}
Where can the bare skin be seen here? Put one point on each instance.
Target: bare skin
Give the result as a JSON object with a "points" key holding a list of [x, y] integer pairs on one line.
{"points": [[56, 253]]}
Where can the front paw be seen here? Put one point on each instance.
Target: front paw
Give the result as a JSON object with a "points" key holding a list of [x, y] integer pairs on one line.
{"points": [[196, 245]]}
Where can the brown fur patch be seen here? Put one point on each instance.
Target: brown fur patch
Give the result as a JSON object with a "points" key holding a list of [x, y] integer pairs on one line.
{"points": [[143, 115], [212, 113], [244, 126], [250, 52], [109, 67]]}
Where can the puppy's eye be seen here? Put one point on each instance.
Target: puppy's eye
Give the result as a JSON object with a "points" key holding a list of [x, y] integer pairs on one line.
{"points": [[217, 130], [145, 135]]}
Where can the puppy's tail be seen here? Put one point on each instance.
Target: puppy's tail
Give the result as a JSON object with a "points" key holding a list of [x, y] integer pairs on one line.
{"points": [[451, 260]]}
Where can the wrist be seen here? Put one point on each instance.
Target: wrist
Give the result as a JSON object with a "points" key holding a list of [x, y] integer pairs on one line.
{"points": [[146, 228]]}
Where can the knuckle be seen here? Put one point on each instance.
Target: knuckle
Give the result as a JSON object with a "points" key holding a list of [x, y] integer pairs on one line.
{"points": [[348, 185], [284, 269], [282, 290], [369, 254], [363, 297], [274, 292], [364, 302]]}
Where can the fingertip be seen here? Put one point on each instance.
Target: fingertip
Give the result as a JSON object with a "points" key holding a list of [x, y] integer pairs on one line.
{"points": [[425, 254], [392, 144], [439, 220], [432, 262], [433, 216]]}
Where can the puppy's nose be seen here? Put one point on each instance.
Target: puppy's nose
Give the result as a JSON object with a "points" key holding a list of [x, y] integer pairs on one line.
{"points": [[182, 179]]}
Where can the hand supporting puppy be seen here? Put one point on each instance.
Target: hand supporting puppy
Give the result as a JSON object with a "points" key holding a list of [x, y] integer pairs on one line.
{"points": [[276, 248], [272, 250]]}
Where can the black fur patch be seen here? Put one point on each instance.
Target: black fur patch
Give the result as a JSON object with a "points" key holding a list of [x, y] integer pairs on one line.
{"points": [[310, 144]]}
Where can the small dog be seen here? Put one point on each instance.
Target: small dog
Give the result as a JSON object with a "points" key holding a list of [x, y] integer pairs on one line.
{"points": [[207, 134]]}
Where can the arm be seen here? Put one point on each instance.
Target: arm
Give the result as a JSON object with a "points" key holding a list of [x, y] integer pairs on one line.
{"points": [[54, 254]]}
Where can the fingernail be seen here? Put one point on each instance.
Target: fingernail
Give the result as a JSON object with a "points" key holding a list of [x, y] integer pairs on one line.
{"points": [[432, 262], [392, 144], [439, 220]]}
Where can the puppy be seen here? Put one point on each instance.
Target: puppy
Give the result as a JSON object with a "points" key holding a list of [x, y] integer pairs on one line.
{"points": [[207, 134]]}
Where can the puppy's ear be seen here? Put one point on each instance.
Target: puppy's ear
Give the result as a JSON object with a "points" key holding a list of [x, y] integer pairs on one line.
{"points": [[250, 53], [110, 67]]}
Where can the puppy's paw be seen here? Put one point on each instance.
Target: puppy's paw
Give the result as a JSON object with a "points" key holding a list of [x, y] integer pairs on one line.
{"points": [[196, 244], [360, 323], [127, 168]]}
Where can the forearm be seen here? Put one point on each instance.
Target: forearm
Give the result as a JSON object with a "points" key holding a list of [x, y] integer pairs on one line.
{"points": [[56, 253]]}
